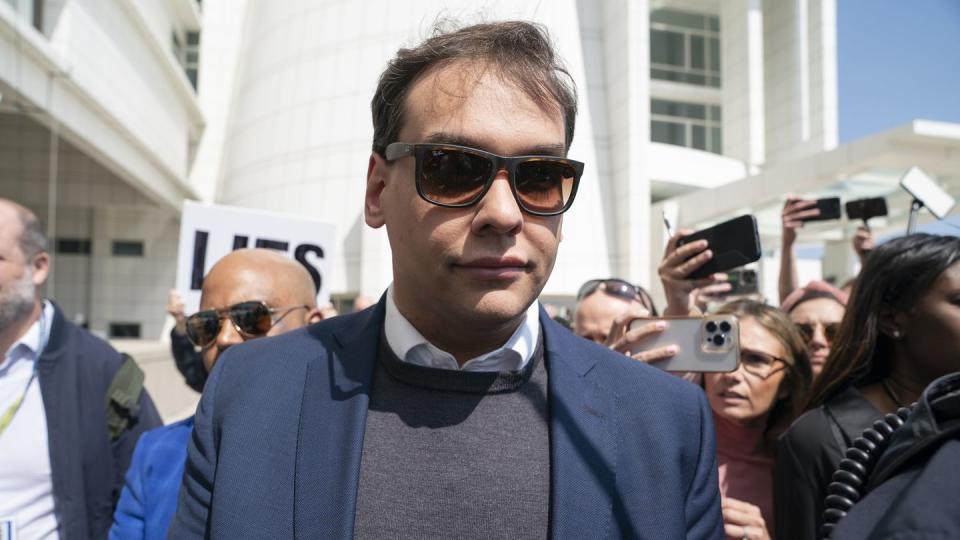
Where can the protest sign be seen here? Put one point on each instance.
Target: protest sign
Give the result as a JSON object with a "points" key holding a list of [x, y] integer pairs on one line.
{"points": [[208, 232]]}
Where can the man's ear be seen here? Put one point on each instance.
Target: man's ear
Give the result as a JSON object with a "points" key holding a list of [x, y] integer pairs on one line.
{"points": [[313, 316], [41, 268], [372, 202]]}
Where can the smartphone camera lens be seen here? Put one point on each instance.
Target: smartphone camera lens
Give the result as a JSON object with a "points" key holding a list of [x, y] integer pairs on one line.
{"points": [[711, 327], [725, 326], [719, 340]]}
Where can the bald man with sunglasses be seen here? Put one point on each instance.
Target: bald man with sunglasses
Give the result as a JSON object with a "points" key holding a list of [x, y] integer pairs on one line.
{"points": [[248, 294]]}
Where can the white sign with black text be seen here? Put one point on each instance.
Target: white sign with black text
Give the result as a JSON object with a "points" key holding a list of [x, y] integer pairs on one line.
{"points": [[208, 232]]}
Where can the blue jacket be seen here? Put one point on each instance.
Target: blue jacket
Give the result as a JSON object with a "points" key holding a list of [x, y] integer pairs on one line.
{"points": [[149, 497], [75, 370], [280, 428]]}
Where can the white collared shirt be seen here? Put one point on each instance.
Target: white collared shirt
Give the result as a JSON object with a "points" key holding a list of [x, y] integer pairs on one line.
{"points": [[26, 482], [410, 346]]}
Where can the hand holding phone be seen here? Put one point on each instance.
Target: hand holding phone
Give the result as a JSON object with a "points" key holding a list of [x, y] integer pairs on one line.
{"points": [[796, 211], [733, 243], [701, 344], [627, 335], [828, 209]]}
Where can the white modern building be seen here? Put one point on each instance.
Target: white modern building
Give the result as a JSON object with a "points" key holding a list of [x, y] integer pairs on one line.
{"points": [[99, 124], [696, 109]]}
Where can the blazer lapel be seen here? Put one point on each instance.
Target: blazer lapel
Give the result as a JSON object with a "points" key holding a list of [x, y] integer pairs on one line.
{"points": [[332, 419], [583, 444]]}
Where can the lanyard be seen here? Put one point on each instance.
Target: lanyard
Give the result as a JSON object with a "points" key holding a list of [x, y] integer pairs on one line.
{"points": [[42, 342]]}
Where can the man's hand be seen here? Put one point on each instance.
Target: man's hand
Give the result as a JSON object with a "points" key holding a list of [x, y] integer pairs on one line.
{"points": [[677, 264], [625, 340], [743, 520], [795, 210], [175, 309], [863, 242]]}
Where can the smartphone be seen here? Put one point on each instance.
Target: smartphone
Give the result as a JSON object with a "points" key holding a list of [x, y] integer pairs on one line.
{"points": [[706, 344], [734, 243], [829, 209], [742, 281], [866, 208]]}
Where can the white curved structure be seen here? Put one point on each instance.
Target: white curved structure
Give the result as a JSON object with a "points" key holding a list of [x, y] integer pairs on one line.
{"points": [[297, 134]]}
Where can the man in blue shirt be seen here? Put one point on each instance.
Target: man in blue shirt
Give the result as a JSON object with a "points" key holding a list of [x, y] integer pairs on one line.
{"points": [[249, 293]]}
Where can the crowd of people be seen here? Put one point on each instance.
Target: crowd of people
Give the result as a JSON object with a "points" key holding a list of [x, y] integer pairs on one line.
{"points": [[455, 406]]}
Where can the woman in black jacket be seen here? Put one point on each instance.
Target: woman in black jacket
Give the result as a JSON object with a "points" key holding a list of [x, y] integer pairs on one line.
{"points": [[901, 331]]}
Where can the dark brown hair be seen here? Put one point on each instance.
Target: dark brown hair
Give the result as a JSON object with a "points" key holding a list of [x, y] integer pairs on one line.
{"points": [[893, 279], [799, 374], [520, 51]]}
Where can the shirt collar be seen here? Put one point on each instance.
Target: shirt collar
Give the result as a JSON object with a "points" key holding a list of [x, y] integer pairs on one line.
{"points": [[410, 346]]}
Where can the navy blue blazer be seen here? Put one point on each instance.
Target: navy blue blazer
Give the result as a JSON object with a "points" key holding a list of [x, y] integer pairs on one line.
{"points": [[275, 451], [87, 467]]}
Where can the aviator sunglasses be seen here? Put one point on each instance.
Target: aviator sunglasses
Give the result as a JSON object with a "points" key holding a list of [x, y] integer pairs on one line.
{"points": [[618, 287], [458, 176], [251, 319]]}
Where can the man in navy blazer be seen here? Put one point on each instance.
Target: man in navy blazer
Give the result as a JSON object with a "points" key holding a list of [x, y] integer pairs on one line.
{"points": [[455, 407]]}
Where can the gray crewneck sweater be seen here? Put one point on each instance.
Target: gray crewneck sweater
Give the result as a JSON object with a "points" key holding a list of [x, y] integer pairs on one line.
{"points": [[452, 454]]}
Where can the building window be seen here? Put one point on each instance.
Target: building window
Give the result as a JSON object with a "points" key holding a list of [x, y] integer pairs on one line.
{"points": [[124, 330], [188, 55], [685, 47], [73, 246], [127, 248], [693, 125], [191, 63]]}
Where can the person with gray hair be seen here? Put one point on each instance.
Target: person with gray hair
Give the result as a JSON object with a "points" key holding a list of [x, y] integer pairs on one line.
{"points": [[65, 444]]}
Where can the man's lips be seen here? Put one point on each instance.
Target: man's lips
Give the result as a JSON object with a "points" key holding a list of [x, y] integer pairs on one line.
{"points": [[493, 267]]}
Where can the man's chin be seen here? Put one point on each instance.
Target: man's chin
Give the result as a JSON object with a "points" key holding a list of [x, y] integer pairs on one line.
{"points": [[498, 307]]}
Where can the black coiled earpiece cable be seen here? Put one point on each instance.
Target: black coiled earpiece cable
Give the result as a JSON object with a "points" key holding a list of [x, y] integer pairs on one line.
{"points": [[854, 470]]}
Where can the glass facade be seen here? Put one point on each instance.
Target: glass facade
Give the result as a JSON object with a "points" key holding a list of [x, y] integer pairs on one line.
{"points": [[685, 47], [693, 125]]}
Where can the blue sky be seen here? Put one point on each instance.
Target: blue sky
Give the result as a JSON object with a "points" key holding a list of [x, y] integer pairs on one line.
{"points": [[897, 60]]}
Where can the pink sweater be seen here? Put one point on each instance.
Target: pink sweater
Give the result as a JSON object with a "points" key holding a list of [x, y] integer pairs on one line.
{"points": [[745, 466]]}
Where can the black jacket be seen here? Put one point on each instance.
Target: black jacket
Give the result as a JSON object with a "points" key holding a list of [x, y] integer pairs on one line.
{"points": [[807, 455], [188, 360], [75, 371], [914, 491]]}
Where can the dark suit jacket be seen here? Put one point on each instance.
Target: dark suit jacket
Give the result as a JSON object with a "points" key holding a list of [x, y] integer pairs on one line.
{"points": [[87, 468], [275, 451]]}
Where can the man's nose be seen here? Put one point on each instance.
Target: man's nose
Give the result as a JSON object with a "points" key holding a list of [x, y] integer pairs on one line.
{"points": [[498, 210], [228, 335]]}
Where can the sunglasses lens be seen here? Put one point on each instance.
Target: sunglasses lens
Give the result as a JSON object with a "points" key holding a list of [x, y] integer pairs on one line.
{"points": [[830, 330], [203, 327], [452, 176], [545, 186], [252, 318]]}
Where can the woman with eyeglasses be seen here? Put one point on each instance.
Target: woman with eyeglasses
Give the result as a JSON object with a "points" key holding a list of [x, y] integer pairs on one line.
{"points": [[900, 332], [816, 310], [751, 407]]}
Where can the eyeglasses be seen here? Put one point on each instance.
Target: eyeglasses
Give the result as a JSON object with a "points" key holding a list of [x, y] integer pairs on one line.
{"points": [[251, 319], [457, 176], [760, 364], [807, 330], [618, 287]]}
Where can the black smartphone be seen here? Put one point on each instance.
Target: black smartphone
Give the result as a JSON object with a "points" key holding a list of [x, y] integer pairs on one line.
{"points": [[742, 281], [829, 209], [734, 243], [866, 208]]}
